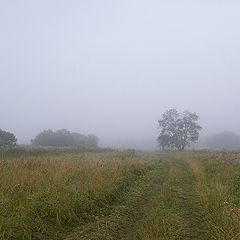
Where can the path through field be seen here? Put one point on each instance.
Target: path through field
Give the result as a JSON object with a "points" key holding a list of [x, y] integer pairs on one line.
{"points": [[114, 195], [166, 203]]}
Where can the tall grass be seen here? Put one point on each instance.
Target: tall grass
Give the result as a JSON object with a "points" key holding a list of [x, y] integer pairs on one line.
{"points": [[43, 195], [80, 194], [217, 187]]}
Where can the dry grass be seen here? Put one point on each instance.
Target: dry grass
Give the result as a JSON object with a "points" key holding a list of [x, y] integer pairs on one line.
{"points": [[73, 194], [41, 195], [89, 171]]}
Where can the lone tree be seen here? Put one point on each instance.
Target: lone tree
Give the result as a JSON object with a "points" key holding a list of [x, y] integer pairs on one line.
{"points": [[178, 130], [7, 139]]}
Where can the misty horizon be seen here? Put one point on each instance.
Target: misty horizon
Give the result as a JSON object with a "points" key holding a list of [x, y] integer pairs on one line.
{"points": [[113, 68]]}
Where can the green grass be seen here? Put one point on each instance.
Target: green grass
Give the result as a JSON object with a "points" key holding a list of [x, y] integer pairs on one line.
{"points": [[79, 194]]}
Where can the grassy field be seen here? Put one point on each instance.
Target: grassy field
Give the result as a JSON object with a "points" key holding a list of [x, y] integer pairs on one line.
{"points": [[80, 194]]}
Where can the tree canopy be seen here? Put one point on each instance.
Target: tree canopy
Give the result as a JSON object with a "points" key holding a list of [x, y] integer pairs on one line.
{"points": [[178, 130], [7, 139], [65, 138]]}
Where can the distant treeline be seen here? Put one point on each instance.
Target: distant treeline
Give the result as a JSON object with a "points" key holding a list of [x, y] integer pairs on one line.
{"points": [[64, 138], [227, 140]]}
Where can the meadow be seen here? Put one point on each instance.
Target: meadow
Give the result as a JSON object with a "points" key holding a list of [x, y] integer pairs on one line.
{"points": [[104, 194]]}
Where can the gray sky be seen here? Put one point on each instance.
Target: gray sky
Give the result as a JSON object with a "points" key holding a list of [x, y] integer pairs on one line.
{"points": [[113, 67]]}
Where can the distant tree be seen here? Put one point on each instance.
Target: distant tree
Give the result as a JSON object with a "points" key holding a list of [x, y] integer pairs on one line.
{"points": [[64, 138], [227, 140], [178, 130], [85, 141], [168, 127], [7, 139]]}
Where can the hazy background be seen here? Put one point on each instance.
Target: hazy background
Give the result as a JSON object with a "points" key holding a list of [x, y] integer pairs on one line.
{"points": [[112, 68]]}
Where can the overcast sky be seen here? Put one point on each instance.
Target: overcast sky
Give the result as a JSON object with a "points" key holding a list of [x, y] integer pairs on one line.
{"points": [[112, 68]]}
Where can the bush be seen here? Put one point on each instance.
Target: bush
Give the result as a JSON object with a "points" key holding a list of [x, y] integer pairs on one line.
{"points": [[64, 138], [7, 138]]}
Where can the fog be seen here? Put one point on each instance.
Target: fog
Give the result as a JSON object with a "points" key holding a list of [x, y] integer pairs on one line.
{"points": [[111, 68]]}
